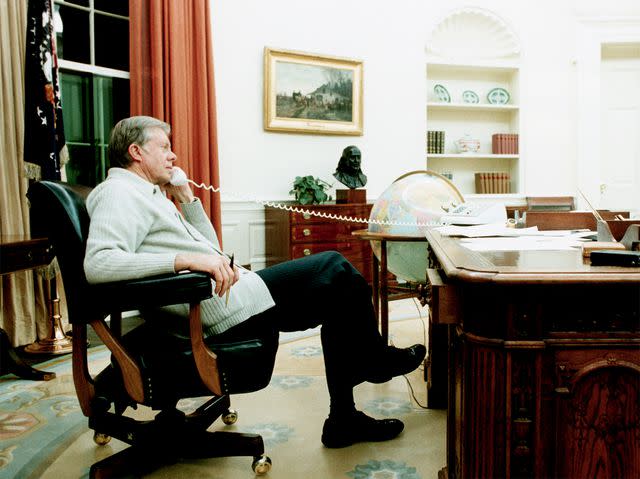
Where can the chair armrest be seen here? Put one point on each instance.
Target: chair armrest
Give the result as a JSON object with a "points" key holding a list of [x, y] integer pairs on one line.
{"points": [[153, 291]]}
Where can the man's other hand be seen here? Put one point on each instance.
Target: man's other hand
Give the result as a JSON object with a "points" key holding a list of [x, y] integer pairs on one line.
{"points": [[214, 265]]}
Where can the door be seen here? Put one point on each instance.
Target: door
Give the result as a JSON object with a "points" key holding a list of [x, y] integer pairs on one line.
{"points": [[619, 162]]}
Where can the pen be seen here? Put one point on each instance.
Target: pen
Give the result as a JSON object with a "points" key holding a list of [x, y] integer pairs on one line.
{"points": [[226, 299]]}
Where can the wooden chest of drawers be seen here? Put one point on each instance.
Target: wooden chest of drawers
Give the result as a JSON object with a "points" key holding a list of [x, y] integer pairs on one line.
{"points": [[294, 235]]}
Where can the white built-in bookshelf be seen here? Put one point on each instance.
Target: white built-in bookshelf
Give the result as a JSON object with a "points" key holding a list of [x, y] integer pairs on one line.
{"points": [[473, 50]]}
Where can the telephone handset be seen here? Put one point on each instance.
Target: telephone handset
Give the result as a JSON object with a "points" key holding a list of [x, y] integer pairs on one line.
{"points": [[178, 177]]}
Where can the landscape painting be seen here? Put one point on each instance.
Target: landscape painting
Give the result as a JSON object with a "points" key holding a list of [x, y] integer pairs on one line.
{"points": [[312, 94]]}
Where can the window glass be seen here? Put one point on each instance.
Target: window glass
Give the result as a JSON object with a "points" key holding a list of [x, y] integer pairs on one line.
{"points": [[111, 104], [91, 101], [91, 105], [76, 105], [72, 37], [112, 42], [119, 7]]}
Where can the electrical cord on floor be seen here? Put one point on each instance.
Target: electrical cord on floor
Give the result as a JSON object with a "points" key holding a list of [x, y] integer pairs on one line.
{"points": [[420, 368], [413, 394]]}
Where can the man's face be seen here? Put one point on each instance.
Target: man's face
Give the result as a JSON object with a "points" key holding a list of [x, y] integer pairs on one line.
{"points": [[156, 157]]}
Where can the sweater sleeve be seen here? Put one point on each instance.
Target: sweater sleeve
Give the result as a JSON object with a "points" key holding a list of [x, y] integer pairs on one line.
{"points": [[194, 213], [119, 224]]}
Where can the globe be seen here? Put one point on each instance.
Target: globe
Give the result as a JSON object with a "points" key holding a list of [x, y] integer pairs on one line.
{"points": [[411, 204]]}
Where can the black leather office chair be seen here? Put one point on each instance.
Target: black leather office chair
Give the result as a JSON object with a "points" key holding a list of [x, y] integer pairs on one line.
{"points": [[148, 367]]}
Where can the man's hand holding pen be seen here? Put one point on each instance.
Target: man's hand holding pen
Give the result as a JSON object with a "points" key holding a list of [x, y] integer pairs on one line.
{"points": [[220, 268]]}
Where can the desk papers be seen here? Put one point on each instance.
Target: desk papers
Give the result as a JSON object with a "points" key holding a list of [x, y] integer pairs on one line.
{"points": [[497, 237]]}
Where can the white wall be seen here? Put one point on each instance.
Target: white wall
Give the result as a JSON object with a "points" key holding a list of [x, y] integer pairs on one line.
{"points": [[390, 38]]}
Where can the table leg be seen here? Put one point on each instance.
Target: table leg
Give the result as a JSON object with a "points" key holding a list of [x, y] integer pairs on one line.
{"points": [[375, 283], [384, 293], [57, 342], [10, 362]]}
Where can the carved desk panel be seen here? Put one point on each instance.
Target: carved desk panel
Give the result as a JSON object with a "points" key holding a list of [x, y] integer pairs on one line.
{"points": [[543, 361]]}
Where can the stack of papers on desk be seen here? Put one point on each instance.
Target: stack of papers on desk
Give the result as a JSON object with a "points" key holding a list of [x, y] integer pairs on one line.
{"points": [[497, 237]]}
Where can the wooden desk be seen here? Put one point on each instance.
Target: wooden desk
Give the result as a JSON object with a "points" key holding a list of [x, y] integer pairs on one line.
{"points": [[18, 253], [544, 362]]}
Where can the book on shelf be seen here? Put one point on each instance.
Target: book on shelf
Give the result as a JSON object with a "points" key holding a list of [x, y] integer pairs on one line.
{"points": [[435, 142], [493, 182], [504, 144]]}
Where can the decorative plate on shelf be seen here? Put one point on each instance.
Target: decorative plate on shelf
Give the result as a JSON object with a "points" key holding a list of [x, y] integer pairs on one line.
{"points": [[498, 96], [469, 96], [442, 93]]}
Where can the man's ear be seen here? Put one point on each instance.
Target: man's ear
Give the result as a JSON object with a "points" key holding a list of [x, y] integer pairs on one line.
{"points": [[135, 152]]}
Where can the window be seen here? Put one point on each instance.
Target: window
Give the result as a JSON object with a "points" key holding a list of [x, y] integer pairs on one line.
{"points": [[92, 39]]}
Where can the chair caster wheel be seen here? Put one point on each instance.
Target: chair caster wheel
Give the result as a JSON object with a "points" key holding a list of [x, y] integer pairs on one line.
{"points": [[101, 439], [261, 465], [230, 417]]}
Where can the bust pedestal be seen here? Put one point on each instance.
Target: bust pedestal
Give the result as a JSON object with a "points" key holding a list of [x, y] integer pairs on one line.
{"points": [[357, 196]]}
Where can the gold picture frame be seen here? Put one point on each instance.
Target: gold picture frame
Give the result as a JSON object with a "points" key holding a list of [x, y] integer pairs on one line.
{"points": [[309, 93]]}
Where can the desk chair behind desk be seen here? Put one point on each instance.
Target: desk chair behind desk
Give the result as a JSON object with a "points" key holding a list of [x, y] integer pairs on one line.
{"points": [[148, 367]]}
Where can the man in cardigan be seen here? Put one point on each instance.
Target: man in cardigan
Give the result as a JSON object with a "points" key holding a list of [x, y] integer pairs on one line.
{"points": [[135, 231]]}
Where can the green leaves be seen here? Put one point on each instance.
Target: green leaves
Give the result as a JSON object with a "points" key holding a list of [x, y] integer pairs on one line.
{"points": [[309, 190]]}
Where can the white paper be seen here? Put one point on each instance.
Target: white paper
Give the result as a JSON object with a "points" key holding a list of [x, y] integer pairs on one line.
{"points": [[480, 231], [499, 230], [522, 243]]}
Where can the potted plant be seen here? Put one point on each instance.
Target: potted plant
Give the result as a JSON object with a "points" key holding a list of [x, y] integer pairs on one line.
{"points": [[309, 190]]}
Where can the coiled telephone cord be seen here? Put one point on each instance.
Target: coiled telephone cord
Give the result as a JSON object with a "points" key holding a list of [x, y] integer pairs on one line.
{"points": [[322, 214]]}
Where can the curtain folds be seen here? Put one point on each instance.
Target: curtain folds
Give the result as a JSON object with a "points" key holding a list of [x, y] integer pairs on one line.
{"points": [[24, 313], [171, 78]]}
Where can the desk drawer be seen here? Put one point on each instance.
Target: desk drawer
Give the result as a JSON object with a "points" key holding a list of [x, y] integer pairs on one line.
{"points": [[442, 298], [349, 249], [321, 232], [354, 210]]}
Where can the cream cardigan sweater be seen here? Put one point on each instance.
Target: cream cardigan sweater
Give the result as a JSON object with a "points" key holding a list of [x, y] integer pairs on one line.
{"points": [[135, 231]]}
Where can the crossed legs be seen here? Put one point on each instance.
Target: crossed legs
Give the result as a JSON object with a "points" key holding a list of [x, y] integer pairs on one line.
{"points": [[326, 290]]}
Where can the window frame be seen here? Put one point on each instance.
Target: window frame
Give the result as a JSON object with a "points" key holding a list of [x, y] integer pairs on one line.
{"points": [[94, 72]]}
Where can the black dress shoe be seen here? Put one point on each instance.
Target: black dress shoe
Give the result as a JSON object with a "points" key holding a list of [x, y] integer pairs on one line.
{"points": [[358, 427], [397, 362]]}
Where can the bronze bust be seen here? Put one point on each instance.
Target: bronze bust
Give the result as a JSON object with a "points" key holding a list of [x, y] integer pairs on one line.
{"points": [[348, 171]]}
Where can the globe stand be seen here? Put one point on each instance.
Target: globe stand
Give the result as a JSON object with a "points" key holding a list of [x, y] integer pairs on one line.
{"points": [[383, 292], [351, 196]]}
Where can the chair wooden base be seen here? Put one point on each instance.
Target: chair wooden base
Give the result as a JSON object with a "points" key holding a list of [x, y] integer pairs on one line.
{"points": [[136, 461]]}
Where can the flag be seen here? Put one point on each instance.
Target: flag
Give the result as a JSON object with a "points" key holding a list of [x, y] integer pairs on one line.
{"points": [[44, 142]]}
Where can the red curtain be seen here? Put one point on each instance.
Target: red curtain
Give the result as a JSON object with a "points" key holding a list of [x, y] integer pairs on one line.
{"points": [[171, 78]]}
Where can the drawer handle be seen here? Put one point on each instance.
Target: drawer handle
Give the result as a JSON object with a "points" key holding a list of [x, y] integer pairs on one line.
{"points": [[306, 216], [306, 251], [306, 231]]}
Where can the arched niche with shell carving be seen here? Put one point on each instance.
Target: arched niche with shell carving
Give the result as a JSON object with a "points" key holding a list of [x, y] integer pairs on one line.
{"points": [[473, 34], [473, 112]]}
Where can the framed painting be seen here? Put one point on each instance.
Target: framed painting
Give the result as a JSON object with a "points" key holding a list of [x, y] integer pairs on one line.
{"points": [[308, 93]]}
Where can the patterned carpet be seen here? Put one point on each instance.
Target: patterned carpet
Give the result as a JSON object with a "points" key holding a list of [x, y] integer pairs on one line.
{"points": [[43, 434]]}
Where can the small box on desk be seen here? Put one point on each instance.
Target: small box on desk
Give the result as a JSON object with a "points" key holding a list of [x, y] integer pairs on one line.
{"points": [[615, 258], [351, 196]]}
